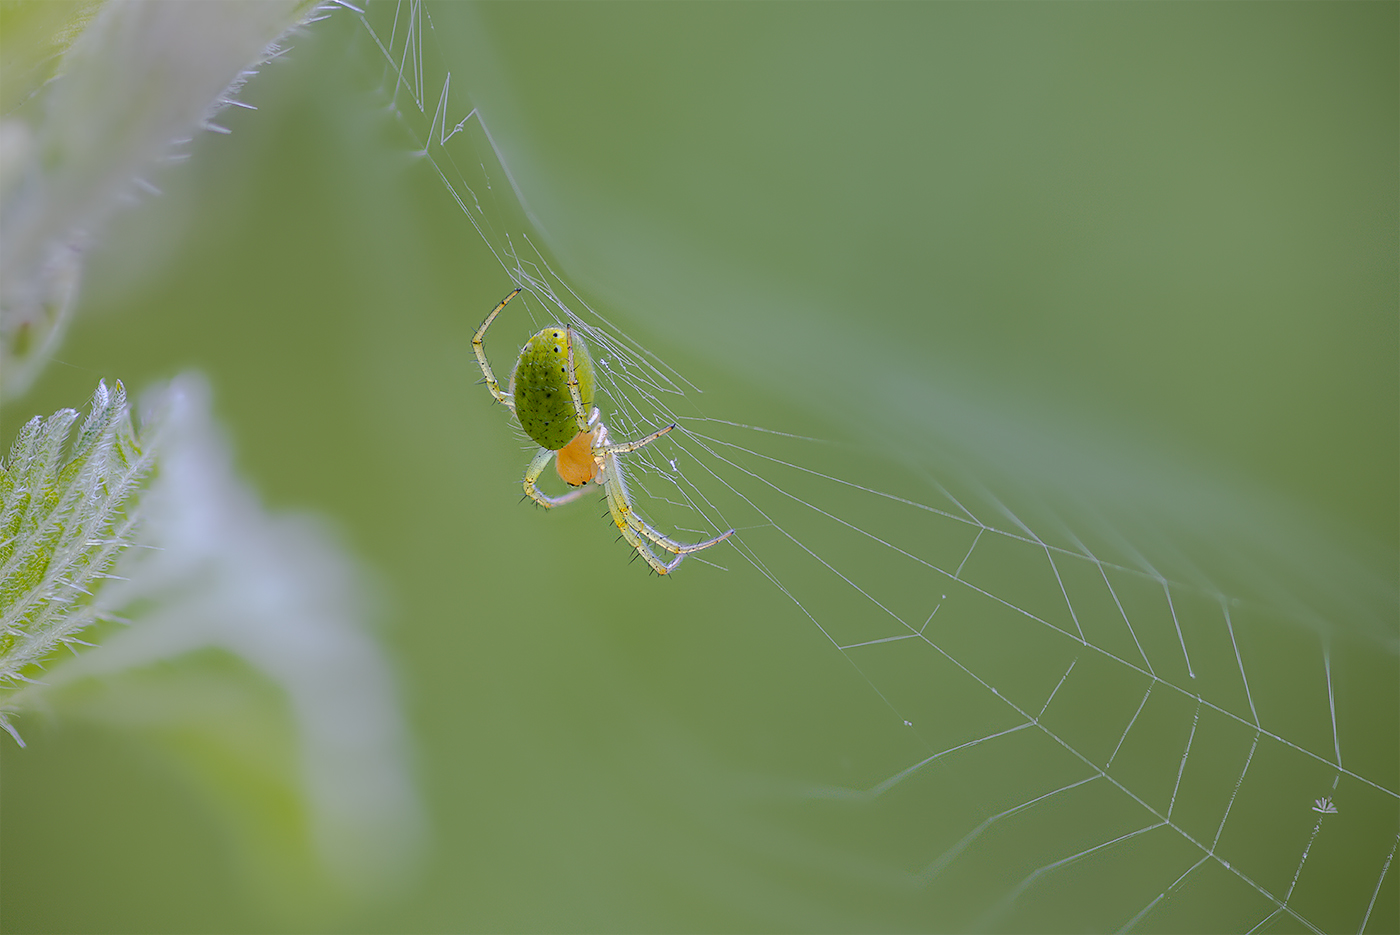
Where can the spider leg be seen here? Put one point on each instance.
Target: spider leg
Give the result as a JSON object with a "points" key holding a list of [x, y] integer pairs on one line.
{"points": [[624, 447], [477, 340], [671, 545], [637, 531], [580, 414], [657, 565], [628, 524], [532, 474]]}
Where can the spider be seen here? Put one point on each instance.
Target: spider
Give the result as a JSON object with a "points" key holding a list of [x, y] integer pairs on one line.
{"points": [[551, 394]]}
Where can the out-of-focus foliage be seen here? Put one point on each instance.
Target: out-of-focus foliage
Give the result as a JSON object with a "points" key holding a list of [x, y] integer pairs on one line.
{"points": [[95, 97], [229, 640]]}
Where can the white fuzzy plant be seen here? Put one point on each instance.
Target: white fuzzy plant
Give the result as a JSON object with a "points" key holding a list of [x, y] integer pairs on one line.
{"points": [[149, 539], [66, 513], [131, 557]]}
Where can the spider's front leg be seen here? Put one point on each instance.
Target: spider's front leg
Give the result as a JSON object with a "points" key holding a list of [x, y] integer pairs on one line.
{"points": [[478, 347], [581, 414], [532, 475]]}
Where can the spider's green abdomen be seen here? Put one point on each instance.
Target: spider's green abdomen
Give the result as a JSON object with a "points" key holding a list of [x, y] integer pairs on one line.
{"points": [[540, 385]]}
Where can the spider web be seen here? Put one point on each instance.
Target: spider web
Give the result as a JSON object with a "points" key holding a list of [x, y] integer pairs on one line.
{"points": [[1141, 722]]}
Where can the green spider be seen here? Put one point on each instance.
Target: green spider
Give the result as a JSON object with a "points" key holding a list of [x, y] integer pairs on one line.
{"points": [[551, 394]]}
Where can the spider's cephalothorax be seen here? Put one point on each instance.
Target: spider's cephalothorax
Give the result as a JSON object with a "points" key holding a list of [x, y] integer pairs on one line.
{"points": [[551, 394]]}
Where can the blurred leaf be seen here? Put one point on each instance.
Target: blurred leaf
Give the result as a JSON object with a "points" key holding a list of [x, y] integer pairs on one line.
{"points": [[124, 83]]}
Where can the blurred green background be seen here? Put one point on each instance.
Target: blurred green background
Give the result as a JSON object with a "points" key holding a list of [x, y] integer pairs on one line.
{"points": [[1118, 267]]}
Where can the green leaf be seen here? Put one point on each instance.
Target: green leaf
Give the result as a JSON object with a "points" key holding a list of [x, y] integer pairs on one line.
{"points": [[66, 513]]}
